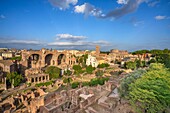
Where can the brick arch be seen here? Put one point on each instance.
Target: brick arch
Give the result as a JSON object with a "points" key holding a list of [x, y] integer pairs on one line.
{"points": [[34, 53], [48, 59], [34, 59], [61, 57]]}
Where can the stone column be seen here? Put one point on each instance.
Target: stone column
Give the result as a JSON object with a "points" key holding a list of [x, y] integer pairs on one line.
{"points": [[5, 83], [46, 78], [34, 80], [42, 79], [12, 86], [37, 79]]}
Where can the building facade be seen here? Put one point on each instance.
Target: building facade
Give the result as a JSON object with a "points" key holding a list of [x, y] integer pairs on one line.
{"points": [[91, 60]]}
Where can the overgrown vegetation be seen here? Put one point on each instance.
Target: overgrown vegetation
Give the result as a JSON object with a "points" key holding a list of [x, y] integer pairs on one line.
{"points": [[134, 65], [148, 91], [75, 85], [14, 78], [44, 84], [103, 65], [93, 82], [90, 69], [154, 51], [67, 80], [53, 71], [16, 58], [77, 69], [67, 72], [161, 56]]}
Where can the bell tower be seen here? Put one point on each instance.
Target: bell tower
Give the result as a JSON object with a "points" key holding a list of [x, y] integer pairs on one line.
{"points": [[97, 50]]}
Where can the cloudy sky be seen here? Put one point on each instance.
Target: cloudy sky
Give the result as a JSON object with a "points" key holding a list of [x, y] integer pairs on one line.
{"points": [[82, 24]]}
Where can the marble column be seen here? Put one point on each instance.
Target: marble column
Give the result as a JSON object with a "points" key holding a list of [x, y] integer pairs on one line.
{"points": [[48, 77]]}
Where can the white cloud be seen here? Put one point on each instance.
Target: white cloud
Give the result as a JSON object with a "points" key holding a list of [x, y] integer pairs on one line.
{"points": [[63, 4], [159, 17], [80, 43], [122, 1], [69, 37], [153, 3], [2, 16], [88, 9], [69, 40], [10, 41], [128, 7]]}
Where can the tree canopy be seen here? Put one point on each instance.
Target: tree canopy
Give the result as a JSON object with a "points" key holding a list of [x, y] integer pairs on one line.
{"points": [[103, 65], [151, 92], [75, 85], [131, 78], [130, 65], [89, 69], [77, 67], [67, 72], [14, 76], [67, 80], [53, 71], [154, 51]]}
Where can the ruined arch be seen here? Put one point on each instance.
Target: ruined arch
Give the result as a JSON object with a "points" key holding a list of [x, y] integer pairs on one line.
{"points": [[33, 59], [48, 59], [61, 58]]}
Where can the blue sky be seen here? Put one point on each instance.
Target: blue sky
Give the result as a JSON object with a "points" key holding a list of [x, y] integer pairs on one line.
{"points": [[82, 24]]}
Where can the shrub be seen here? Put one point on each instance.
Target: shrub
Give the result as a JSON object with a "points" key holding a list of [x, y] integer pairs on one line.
{"points": [[75, 85], [103, 65]]}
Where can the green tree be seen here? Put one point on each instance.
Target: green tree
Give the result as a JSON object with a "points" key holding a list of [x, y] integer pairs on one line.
{"points": [[14, 76], [77, 67], [130, 78], [156, 66], [89, 69], [67, 80], [163, 58], [94, 82], [67, 72], [75, 85], [151, 92], [152, 61], [139, 63], [85, 58], [16, 58], [103, 65], [85, 83], [80, 60], [130, 65], [53, 71]]}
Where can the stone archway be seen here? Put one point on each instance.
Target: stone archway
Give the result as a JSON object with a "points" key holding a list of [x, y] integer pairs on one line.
{"points": [[61, 59], [48, 59], [33, 60]]}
